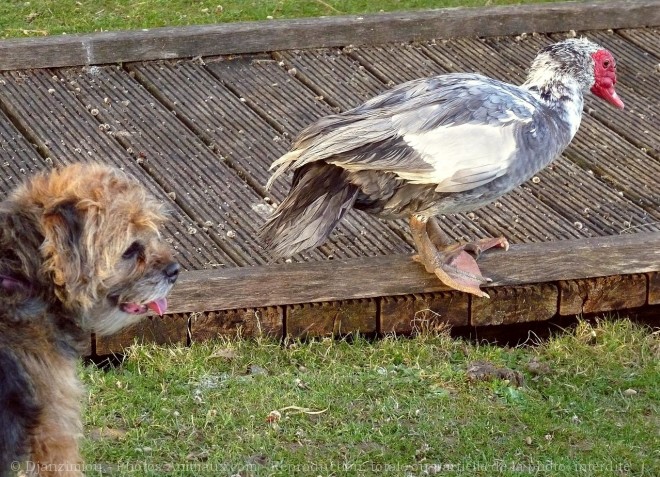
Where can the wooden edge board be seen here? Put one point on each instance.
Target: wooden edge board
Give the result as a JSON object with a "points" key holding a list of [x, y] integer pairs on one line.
{"points": [[261, 36], [392, 275], [401, 315]]}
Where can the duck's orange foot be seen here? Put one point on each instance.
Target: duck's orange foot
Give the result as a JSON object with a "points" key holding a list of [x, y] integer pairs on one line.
{"points": [[457, 269], [454, 264]]}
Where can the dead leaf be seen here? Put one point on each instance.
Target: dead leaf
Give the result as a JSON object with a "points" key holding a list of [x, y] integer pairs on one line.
{"points": [[255, 370], [538, 368], [100, 433], [223, 353], [273, 416]]}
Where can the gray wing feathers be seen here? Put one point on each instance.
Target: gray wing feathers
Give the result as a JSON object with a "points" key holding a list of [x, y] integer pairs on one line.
{"points": [[466, 179], [374, 136], [331, 138]]}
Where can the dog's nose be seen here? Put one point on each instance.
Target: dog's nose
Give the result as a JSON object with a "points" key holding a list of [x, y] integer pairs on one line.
{"points": [[171, 271]]}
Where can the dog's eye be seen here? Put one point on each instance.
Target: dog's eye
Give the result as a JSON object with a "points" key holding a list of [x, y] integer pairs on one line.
{"points": [[135, 250]]}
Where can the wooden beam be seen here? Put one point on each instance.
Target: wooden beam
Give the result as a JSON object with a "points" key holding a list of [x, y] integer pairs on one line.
{"points": [[254, 37], [534, 263], [160, 330], [519, 304], [331, 318], [602, 294], [405, 315], [254, 322], [654, 289]]}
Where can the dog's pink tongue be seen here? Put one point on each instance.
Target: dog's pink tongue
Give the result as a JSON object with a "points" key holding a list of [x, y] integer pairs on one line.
{"points": [[158, 306]]}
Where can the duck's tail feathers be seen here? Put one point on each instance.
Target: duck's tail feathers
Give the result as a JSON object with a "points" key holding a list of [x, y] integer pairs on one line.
{"points": [[282, 164], [318, 200]]}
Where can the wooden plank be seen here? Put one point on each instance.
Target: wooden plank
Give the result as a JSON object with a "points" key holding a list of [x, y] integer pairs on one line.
{"points": [[210, 192], [275, 94], [523, 264], [64, 130], [333, 75], [18, 159], [252, 37], [646, 38], [654, 288], [618, 163], [168, 329], [602, 294], [331, 319], [245, 141], [409, 63], [253, 322], [518, 304], [405, 315], [588, 203]]}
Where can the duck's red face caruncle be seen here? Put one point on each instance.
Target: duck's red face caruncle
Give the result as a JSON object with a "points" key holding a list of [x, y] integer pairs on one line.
{"points": [[605, 78]]}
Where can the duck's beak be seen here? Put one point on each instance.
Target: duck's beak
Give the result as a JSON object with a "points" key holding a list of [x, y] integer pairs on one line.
{"points": [[605, 89]]}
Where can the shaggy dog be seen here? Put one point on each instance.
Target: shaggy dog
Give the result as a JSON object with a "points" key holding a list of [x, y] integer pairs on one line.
{"points": [[80, 252]]}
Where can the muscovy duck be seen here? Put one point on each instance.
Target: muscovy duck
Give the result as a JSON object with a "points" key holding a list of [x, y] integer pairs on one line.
{"points": [[445, 144]]}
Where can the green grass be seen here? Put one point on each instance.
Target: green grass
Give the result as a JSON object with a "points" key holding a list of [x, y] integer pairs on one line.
{"points": [[19, 18], [392, 407]]}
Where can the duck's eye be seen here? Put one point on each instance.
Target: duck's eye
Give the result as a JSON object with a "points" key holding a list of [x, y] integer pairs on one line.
{"points": [[134, 250], [606, 63]]}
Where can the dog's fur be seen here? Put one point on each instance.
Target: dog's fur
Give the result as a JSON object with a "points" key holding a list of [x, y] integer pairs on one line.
{"points": [[80, 252]]}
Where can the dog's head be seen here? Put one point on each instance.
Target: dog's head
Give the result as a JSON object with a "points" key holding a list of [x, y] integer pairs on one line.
{"points": [[100, 250]]}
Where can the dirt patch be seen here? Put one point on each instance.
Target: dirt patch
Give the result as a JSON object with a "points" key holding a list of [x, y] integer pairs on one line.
{"points": [[485, 371], [106, 433], [538, 368]]}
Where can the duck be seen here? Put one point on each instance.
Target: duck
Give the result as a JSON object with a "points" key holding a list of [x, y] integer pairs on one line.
{"points": [[445, 144]]}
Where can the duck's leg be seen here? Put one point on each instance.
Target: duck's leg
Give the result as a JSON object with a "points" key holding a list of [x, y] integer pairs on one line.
{"points": [[442, 240], [448, 260]]}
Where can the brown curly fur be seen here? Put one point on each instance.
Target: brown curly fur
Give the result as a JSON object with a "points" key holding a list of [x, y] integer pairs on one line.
{"points": [[76, 246]]}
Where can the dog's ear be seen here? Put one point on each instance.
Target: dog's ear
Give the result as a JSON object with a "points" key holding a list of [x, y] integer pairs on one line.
{"points": [[63, 250]]}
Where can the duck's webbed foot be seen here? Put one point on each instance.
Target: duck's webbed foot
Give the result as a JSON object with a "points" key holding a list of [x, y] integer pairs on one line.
{"points": [[453, 263]]}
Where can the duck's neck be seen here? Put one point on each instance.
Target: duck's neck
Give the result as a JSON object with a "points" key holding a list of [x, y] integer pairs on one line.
{"points": [[562, 94]]}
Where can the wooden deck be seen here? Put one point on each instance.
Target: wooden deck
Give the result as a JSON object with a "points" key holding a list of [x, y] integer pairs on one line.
{"points": [[200, 132]]}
